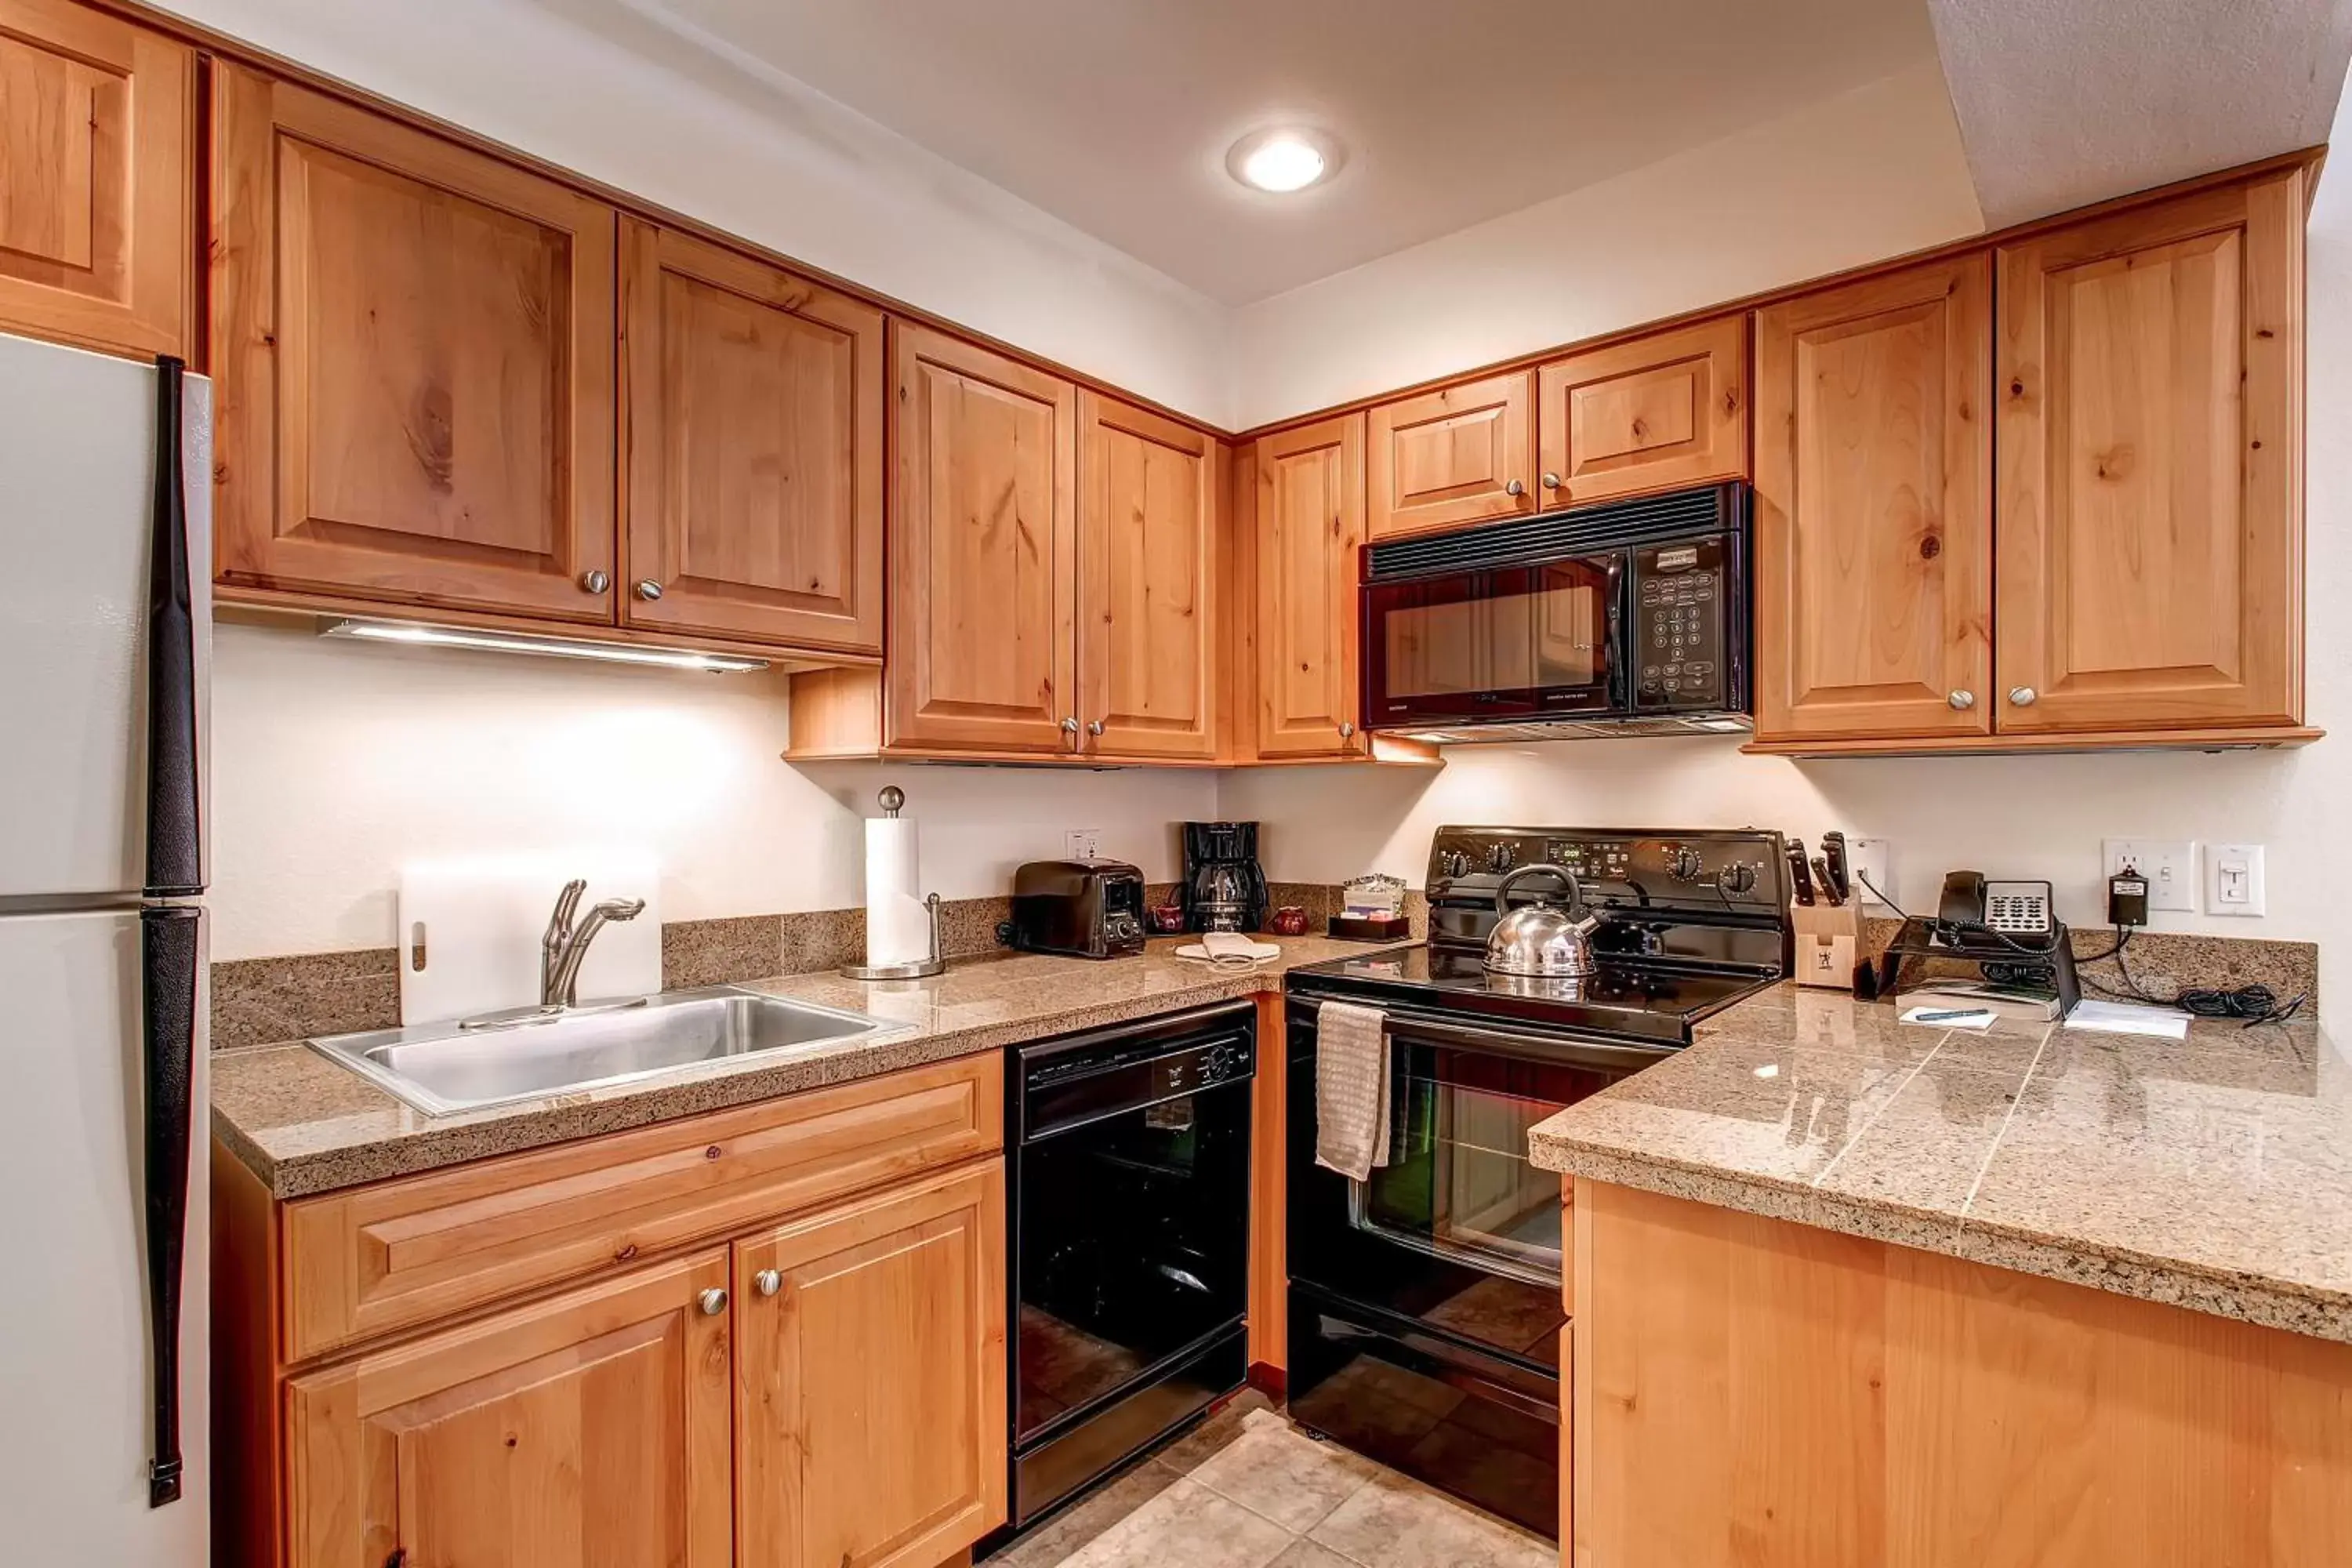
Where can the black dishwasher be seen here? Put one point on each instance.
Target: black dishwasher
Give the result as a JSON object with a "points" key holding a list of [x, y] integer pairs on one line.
{"points": [[1130, 1169]]}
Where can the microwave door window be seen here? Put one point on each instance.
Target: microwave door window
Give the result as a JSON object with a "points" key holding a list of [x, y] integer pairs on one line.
{"points": [[1437, 640], [1568, 631]]}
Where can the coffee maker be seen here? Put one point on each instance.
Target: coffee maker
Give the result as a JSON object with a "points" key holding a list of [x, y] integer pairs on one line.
{"points": [[1225, 889]]}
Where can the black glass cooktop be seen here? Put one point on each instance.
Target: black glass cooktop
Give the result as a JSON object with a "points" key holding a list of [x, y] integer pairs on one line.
{"points": [[1629, 1000]]}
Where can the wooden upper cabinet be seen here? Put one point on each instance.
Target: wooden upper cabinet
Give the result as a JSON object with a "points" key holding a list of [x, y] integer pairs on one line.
{"points": [[983, 550], [588, 1430], [1148, 572], [415, 345], [870, 1370], [1308, 533], [2151, 508], [1655, 414], [1873, 529], [97, 180], [754, 403], [1444, 459]]}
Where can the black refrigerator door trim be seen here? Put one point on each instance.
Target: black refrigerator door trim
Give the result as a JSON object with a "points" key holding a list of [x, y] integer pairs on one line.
{"points": [[167, 962], [174, 835]]}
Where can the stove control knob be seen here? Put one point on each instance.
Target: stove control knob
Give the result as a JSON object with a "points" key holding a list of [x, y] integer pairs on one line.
{"points": [[1687, 866], [1501, 858], [1454, 863], [1739, 878]]}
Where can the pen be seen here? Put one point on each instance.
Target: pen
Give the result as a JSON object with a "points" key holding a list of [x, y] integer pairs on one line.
{"points": [[1957, 1013]]}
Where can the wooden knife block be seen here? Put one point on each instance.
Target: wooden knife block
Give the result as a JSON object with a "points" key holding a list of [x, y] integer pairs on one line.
{"points": [[1827, 945]]}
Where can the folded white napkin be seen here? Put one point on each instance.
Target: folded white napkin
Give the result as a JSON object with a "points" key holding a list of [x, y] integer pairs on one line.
{"points": [[1351, 1088]]}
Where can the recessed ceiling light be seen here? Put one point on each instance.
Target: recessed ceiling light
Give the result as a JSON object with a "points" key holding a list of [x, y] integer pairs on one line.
{"points": [[1284, 160]]}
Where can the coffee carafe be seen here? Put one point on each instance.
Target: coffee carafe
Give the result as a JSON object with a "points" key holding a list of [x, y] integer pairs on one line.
{"points": [[1225, 889]]}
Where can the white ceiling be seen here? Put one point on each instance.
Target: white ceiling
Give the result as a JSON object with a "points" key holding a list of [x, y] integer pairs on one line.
{"points": [[1115, 115], [2062, 103]]}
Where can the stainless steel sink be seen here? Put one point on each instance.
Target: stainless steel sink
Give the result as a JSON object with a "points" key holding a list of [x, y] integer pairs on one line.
{"points": [[441, 1069]]}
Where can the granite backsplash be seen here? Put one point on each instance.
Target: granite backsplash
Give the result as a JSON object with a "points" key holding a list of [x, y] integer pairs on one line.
{"points": [[262, 1001]]}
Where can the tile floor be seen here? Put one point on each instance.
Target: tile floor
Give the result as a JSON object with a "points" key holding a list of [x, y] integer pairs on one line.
{"points": [[1247, 1490]]}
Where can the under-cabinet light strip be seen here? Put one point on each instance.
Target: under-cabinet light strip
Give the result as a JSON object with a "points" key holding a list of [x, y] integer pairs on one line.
{"points": [[542, 647]]}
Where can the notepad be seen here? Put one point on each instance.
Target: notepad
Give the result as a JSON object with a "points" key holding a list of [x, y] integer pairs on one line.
{"points": [[2129, 1018]]}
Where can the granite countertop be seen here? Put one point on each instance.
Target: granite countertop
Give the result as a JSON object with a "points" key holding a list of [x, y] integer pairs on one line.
{"points": [[2214, 1172], [305, 1124]]}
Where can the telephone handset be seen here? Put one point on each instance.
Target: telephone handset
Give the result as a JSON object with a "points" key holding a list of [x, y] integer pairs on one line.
{"points": [[1971, 905]]}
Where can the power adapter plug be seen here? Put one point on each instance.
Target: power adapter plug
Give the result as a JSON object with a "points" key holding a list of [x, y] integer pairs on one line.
{"points": [[2127, 899]]}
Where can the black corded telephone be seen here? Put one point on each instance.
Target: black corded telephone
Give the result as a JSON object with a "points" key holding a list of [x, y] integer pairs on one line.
{"points": [[2005, 916]]}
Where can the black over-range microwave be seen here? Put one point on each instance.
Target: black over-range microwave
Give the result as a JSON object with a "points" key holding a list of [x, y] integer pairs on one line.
{"points": [[1626, 617]]}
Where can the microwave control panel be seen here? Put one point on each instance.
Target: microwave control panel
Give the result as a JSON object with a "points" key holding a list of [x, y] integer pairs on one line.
{"points": [[1679, 597]]}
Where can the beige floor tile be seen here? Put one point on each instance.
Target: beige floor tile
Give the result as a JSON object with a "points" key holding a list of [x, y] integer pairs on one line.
{"points": [[1276, 1470], [1190, 1525], [1069, 1532], [1395, 1523], [1218, 1429], [1306, 1554]]}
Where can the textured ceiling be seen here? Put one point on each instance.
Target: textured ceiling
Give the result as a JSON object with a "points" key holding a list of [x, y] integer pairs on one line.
{"points": [[2064, 102], [1115, 115]]}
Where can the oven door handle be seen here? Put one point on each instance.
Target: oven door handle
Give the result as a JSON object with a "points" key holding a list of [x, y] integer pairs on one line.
{"points": [[1549, 1047]]}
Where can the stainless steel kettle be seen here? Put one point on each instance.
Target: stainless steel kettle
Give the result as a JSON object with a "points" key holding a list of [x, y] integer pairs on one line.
{"points": [[1542, 940]]}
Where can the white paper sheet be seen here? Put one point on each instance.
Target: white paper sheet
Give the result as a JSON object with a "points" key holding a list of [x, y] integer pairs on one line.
{"points": [[2129, 1018]]}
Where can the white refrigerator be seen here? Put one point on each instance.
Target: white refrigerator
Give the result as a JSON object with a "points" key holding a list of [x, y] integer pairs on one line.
{"points": [[105, 641]]}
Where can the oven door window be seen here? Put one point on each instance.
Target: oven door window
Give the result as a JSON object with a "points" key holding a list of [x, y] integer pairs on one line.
{"points": [[1494, 645], [1130, 1249], [1458, 1184]]}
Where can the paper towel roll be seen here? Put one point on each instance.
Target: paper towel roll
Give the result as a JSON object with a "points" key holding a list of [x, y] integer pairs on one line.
{"points": [[898, 927]]}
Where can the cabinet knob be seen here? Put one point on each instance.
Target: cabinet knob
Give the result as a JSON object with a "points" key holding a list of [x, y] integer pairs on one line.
{"points": [[648, 589], [1095, 727], [595, 582], [713, 1301], [1551, 481], [1515, 490], [1347, 729], [2023, 695], [1069, 726], [1963, 700], [767, 1281]]}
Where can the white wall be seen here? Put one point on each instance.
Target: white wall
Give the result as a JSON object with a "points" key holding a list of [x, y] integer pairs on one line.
{"points": [[2041, 817], [763, 156], [335, 761], [1857, 178]]}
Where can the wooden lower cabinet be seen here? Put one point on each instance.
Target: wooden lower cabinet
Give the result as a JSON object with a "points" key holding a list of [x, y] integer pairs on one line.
{"points": [[588, 1430], [870, 1379], [1753, 1393]]}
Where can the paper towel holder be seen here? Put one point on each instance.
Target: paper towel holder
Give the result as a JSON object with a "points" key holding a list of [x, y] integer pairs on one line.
{"points": [[920, 969]]}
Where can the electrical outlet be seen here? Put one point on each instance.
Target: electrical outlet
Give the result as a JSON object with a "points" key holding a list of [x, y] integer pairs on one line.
{"points": [[1082, 843], [2168, 864], [2234, 879], [1871, 864]]}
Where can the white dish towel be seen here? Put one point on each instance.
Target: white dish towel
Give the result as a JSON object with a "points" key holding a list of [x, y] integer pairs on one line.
{"points": [[1351, 1088]]}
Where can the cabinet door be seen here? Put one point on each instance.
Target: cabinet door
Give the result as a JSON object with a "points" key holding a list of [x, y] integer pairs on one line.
{"points": [[1650, 415], [870, 1379], [590, 1430], [1874, 533], [414, 349], [754, 415], [1445, 459], [1148, 566], [1309, 523], [2151, 502], [983, 550], [97, 179]]}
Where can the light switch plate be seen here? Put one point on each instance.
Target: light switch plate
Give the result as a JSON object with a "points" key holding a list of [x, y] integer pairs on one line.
{"points": [[1082, 843], [2234, 882], [1872, 858], [2168, 864]]}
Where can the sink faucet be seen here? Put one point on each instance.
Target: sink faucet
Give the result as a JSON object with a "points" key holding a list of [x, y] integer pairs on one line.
{"points": [[562, 950]]}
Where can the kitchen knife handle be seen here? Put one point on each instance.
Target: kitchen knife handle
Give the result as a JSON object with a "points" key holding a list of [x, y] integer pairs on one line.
{"points": [[1827, 883], [1800, 875]]}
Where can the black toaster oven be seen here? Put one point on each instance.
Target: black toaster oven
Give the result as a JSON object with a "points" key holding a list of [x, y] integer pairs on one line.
{"points": [[1082, 909]]}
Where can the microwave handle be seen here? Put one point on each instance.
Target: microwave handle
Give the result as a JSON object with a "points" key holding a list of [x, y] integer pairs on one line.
{"points": [[1621, 652]]}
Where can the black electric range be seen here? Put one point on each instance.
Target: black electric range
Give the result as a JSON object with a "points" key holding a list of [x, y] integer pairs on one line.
{"points": [[1425, 1300]]}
